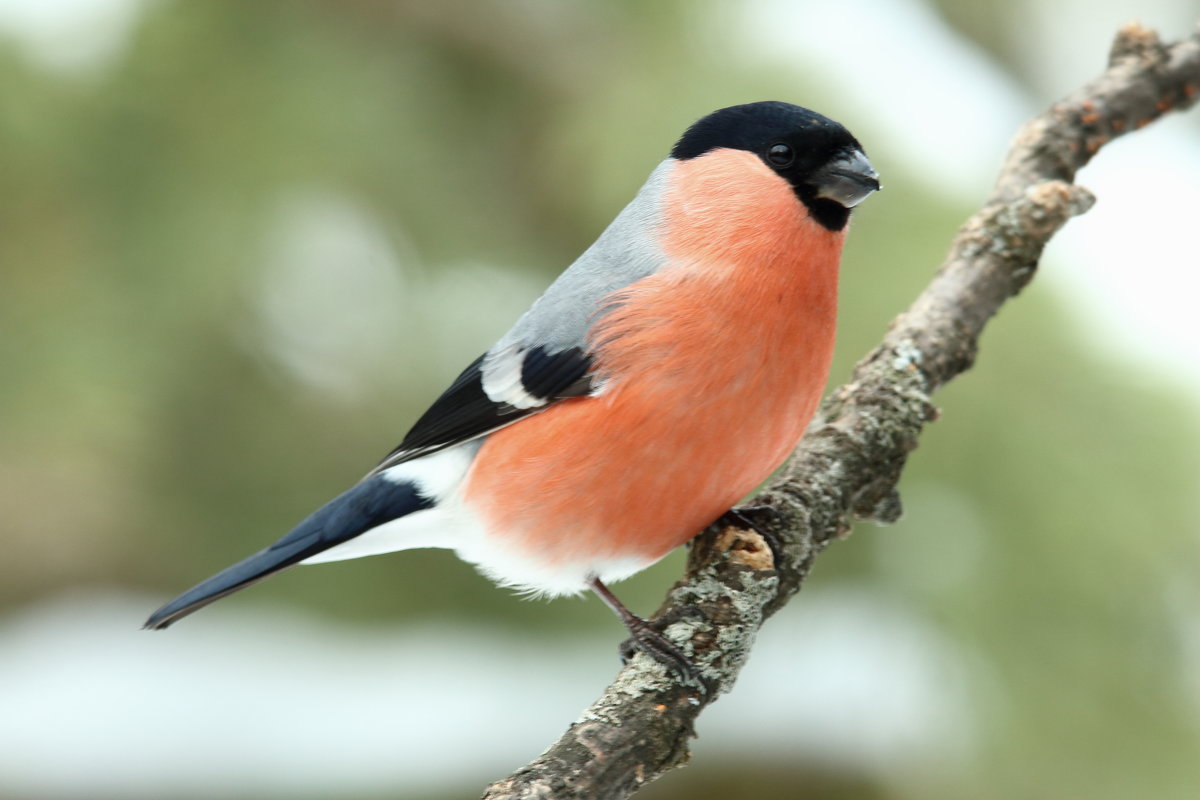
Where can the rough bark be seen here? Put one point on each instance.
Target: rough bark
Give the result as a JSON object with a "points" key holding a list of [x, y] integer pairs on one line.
{"points": [[848, 464]]}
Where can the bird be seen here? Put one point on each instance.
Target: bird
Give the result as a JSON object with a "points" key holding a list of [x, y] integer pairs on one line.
{"points": [[659, 379]]}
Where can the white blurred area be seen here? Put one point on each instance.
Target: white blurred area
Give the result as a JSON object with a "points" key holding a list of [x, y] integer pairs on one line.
{"points": [[70, 37], [275, 704], [271, 703]]}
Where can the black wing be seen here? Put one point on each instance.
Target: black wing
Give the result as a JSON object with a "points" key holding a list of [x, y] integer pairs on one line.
{"points": [[465, 412]]}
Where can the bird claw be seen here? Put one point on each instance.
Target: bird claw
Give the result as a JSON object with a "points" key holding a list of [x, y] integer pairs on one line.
{"points": [[647, 636]]}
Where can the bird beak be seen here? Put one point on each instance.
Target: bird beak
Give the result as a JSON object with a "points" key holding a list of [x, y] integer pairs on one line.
{"points": [[847, 180]]}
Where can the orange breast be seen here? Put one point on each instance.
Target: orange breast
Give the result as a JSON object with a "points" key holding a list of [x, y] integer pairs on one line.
{"points": [[713, 367]]}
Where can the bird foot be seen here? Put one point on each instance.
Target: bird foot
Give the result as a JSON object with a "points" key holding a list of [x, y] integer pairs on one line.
{"points": [[648, 637]]}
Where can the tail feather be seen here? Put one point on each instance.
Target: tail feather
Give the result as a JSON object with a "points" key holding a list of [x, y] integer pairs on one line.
{"points": [[367, 505]]}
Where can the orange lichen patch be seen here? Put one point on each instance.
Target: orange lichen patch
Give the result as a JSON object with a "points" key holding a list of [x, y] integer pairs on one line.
{"points": [[660, 707], [1089, 118], [1190, 89], [1118, 125]]}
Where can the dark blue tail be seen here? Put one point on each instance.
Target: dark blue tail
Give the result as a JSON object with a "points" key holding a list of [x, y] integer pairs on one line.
{"points": [[370, 503]]}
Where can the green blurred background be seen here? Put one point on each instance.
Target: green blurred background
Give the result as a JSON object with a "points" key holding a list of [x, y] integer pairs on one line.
{"points": [[243, 244]]}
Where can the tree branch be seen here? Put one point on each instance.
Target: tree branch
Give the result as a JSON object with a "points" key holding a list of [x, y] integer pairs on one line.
{"points": [[848, 464]]}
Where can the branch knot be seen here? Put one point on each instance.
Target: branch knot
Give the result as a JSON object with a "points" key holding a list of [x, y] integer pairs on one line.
{"points": [[1136, 42]]}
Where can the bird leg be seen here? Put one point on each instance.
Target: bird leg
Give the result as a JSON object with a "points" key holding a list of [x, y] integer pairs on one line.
{"points": [[645, 636]]}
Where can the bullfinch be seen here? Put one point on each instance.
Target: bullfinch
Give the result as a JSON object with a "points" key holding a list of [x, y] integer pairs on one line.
{"points": [[660, 379]]}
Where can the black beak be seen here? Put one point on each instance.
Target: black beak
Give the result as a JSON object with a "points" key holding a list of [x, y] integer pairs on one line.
{"points": [[847, 180]]}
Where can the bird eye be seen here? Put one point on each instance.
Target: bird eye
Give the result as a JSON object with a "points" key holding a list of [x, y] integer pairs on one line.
{"points": [[781, 155]]}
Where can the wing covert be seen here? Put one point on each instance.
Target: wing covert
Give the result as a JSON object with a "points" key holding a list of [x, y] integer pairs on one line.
{"points": [[496, 390]]}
